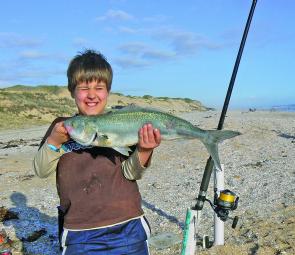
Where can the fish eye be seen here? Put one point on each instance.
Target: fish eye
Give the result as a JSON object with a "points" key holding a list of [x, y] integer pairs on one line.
{"points": [[75, 124]]}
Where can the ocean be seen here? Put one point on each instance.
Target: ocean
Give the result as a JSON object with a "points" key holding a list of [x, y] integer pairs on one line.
{"points": [[284, 108]]}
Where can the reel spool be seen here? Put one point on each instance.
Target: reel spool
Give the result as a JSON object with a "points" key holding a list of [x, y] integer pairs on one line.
{"points": [[226, 200], [224, 203]]}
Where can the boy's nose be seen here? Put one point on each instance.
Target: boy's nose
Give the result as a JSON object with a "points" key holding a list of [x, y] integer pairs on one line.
{"points": [[91, 93]]}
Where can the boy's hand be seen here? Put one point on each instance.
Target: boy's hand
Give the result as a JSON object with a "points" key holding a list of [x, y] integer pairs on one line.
{"points": [[58, 135], [148, 139]]}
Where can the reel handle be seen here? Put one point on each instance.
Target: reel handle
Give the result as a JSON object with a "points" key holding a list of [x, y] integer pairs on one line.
{"points": [[235, 221]]}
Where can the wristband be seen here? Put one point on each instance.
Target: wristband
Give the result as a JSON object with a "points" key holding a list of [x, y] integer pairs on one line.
{"points": [[53, 148]]}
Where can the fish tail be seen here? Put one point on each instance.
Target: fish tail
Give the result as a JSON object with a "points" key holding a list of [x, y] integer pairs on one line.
{"points": [[211, 142]]}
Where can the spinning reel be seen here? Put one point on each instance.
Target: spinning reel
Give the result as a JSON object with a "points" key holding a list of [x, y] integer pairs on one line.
{"points": [[224, 203]]}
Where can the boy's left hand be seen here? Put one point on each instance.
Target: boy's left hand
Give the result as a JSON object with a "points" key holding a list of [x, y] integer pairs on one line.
{"points": [[148, 139]]}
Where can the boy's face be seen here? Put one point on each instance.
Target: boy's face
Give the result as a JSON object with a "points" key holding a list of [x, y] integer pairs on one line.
{"points": [[91, 97]]}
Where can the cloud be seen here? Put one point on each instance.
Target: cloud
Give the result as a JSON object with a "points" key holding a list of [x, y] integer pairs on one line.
{"points": [[19, 75], [81, 42], [156, 18], [183, 42], [130, 62], [127, 30], [133, 48], [29, 76], [32, 54], [118, 15], [157, 54], [13, 40], [31, 57], [167, 44], [145, 51], [26, 69]]}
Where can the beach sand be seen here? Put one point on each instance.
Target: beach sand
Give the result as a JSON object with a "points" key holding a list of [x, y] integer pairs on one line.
{"points": [[259, 168]]}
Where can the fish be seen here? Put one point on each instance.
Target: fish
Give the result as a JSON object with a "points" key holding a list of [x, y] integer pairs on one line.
{"points": [[119, 130]]}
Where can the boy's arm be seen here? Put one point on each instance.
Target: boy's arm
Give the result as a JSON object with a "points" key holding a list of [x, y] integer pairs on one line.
{"points": [[45, 160], [132, 168]]}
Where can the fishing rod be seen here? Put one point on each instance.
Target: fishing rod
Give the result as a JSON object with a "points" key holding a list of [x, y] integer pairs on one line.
{"points": [[209, 165], [191, 219]]}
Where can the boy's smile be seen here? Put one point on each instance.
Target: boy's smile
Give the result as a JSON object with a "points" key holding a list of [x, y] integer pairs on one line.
{"points": [[91, 97]]}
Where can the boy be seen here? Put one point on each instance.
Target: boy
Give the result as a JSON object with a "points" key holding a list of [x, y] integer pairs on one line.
{"points": [[97, 186]]}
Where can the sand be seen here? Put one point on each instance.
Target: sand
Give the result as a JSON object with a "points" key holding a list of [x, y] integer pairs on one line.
{"points": [[258, 165]]}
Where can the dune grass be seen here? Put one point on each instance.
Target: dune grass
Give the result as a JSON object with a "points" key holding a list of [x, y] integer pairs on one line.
{"points": [[25, 106]]}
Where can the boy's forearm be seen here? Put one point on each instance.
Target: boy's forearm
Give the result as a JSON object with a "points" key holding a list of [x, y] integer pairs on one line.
{"points": [[144, 156], [132, 168], [45, 161]]}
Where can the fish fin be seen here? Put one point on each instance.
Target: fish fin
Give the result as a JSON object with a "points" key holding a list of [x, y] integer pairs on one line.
{"points": [[221, 135], [123, 150], [211, 143], [89, 142], [133, 107], [212, 148]]}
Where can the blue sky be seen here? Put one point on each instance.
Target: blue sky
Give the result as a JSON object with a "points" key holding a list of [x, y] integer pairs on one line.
{"points": [[160, 48]]}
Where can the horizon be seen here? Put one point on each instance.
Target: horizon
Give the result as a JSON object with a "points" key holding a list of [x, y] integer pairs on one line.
{"points": [[282, 107], [158, 49]]}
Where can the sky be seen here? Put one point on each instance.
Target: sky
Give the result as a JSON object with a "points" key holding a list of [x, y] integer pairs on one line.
{"points": [[167, 48]]}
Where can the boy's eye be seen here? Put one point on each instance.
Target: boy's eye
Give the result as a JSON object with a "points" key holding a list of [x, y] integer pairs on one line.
{"points": [[82, 88], [87, 88]]}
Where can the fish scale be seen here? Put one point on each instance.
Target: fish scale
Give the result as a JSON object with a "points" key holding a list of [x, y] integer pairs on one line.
{"points": [[119, 130]]}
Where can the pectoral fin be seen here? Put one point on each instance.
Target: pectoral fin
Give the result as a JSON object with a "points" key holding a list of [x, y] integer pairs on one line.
{"points": [[87, 140], [123, 150]]}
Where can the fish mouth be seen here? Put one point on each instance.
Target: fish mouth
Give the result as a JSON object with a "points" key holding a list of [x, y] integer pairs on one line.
{"points": [[69, 129]]}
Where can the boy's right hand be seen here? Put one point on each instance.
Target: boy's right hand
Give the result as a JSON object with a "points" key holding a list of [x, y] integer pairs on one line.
{"points": [[58, 135]]}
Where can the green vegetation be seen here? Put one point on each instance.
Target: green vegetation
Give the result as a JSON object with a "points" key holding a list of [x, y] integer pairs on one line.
{"points": [[53, 89], [26, 106], [147, 97], [164, 98], [23, 106], [117, 93]]}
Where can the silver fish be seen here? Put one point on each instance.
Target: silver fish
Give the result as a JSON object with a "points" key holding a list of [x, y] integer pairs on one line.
{"points": [[119, 130]]}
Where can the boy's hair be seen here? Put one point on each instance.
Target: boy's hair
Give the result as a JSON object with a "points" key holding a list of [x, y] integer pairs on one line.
{"points": [[88, 66]]}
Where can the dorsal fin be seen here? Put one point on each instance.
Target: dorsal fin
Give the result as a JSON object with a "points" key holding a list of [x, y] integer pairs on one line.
{"points": [[133, 107]]}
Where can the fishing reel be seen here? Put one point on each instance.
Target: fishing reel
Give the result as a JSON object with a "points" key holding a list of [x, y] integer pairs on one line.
{"points": [[224, 203]]}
